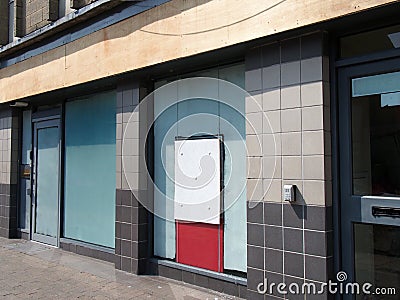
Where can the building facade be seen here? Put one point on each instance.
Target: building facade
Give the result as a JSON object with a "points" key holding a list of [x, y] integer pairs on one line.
{"points": [[112, 110]]}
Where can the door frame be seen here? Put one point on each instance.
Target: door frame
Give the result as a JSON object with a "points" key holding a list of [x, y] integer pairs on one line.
{"points": [[42, 120], [351, 206]]}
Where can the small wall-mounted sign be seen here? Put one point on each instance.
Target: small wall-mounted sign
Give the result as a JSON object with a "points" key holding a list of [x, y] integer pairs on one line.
{"points": [[26, 171], [289, 193]]}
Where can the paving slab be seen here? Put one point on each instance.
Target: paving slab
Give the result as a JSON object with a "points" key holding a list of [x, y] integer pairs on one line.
{"points": [[30, 270]]}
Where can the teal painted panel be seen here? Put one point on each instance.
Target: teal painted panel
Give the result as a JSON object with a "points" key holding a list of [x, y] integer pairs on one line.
{"points": [[90, 149], [377, 84], [47, 181]]}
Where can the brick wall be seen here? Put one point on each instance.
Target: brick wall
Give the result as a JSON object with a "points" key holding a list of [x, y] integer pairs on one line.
{"points": [[38, 14]]}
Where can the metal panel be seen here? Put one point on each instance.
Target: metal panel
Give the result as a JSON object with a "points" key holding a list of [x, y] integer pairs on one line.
{"points": [[46, 204], [198, 180], [368, 203]]}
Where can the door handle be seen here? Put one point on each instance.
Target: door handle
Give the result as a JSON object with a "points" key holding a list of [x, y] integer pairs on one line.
{"points": [[392, 212]]}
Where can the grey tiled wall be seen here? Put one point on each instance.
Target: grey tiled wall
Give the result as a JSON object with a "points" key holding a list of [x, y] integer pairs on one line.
{"points": [[131, 241], [8, 172], [290, 108]]}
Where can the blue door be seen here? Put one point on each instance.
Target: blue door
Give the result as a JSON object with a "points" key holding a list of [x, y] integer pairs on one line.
{"points": [[46, 187]]}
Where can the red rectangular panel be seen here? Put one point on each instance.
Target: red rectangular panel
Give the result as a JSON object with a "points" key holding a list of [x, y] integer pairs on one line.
{"points": [[200, 245]]}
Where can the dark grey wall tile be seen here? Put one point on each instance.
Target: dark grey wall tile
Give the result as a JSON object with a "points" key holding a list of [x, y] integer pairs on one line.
{"points": [[273, 237], [273, 260], [139, 232], [255, 212], [243, 291], [273, 213], [329, 218], [216, 285], [139, 215], [118, 246], [255, 257], [316, 268], [106, 256], [293, 215], [124, 214], [296, 282], [290, 50], [255, 234], [126, 248], [152, 268], [170, 272], [117, 230], [270, 297], [294, 264], [276, 279], [188, 277], [251, 295], [118, 197], [125, 231], [312, 45], [315, 243], [223, 286], [139, 249], [201, 280], [117, 262], [139, 266], [271, 54], [329, 243], [253, 59], [254, 277], [293, 240], [126, 198], [315, 218], [126, 264], [323, 296]]}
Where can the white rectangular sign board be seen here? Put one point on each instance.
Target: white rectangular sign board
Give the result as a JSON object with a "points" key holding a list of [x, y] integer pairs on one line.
{"points": [[198, 180]]}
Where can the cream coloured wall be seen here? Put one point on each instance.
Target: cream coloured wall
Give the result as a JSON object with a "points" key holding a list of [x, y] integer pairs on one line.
{"points": [[170, 31]]}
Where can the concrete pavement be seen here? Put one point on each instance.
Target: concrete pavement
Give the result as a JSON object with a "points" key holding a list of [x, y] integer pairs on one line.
{"points": [[30, 270]]}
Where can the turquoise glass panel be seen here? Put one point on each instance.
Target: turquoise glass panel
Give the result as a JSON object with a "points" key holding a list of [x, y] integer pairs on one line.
{"points": [[233, 127], [90, 149], [47, 181], [377, 84], [165, 131]]}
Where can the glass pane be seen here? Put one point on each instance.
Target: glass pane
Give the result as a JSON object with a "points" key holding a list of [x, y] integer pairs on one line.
{"points": [[377, 256], [90, 151], [370, 42], [47, 181], [377, 84], [212, 117], [376, 137]]}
